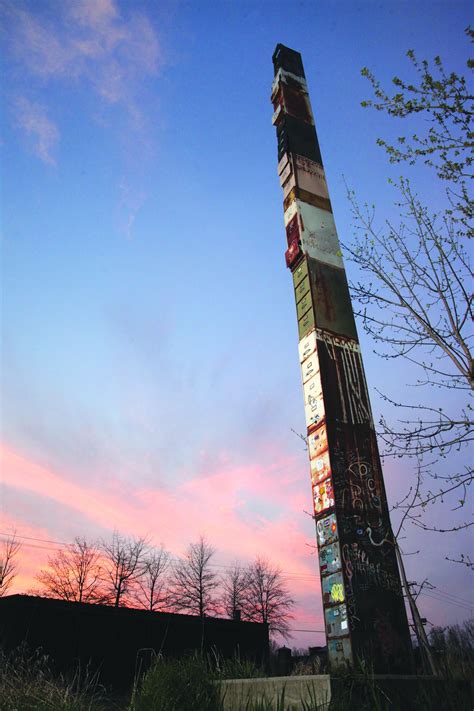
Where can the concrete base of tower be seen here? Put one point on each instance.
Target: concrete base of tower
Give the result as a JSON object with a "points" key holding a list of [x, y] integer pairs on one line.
{"points": [[349, 691]]}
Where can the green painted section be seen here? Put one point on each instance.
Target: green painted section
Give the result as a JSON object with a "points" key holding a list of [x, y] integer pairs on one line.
{"points": [[302, 289], [306, 323], [331, 299], [300, 272], [304, 305]]}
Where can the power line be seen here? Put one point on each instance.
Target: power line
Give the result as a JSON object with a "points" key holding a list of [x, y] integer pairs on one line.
{"points": [[436, 594]]}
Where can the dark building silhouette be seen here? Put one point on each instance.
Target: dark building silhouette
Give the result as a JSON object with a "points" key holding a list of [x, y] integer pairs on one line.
{"points": [[118, 642]]}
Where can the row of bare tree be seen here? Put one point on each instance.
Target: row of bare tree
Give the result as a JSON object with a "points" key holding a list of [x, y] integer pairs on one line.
{"points": [[129, 572]]}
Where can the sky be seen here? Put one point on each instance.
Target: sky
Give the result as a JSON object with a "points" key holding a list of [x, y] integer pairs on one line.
{"points": [[150, 378]]}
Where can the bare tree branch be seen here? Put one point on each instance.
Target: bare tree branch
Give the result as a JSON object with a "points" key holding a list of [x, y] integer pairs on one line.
{"points": [[10, 548], [124, 565], [267, 598], [73, 574], [194, 584]]}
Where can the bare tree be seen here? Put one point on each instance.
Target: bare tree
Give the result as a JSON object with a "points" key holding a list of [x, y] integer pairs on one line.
{"points": [[123, 566], [73, 573], [267, 598], [9, 550], [234, 584], [415, 290], [194, 583], [152, 587]]}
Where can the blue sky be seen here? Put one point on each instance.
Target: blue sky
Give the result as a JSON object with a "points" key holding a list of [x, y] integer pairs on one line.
{"points": [[149, 333]]}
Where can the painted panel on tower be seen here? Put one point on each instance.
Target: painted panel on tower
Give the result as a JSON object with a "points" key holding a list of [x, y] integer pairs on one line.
{"points": [[288, 185], [300, 272], [317, 232], [326, 530], [302, 289], [329, 559], [323, 496], [285, 174], [289, 60], [340, 652], [332, 303], [288, 78], [312, 199], [297, 137], [293, 230], [344, 377], [309, 368], [307, 346], [320, 467], [337, 624], [310, 176], [318, 442], [306, 324], [333, 589], [303, 305], [313, 400], [283, 163], [293, 101]]}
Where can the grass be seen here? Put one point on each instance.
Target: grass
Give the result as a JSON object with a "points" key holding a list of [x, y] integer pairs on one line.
{"points": [[27, 683]]}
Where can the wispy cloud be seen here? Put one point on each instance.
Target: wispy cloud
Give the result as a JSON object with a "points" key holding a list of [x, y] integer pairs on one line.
{"points": [[31, 117], [131, 202], [90, 44], [216, 505]]}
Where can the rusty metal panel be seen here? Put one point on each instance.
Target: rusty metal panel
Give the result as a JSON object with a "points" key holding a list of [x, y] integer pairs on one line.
{"points": [[285, 174], [323, 496], [318, 235], [293, 254], [326, 530], [320, 466], [283, 163], [291, 212], [337, 624], [293, 230], [304, 305], [300, 272], [288, 185], [309, 368], [310, 175], [287, 59], [313, 400], [293, 80], [278, 112], [317, 232], [333, 589], [293, 101], [340, 652], [329, 559], [307, 346], [297, 137], [306, 324], [311, 199], [331, 299], [302, 289]]}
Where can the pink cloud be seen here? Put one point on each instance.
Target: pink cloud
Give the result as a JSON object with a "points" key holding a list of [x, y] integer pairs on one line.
{"points": [[211, 505]]}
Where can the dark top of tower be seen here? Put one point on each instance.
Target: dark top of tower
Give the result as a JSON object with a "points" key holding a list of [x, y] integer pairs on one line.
{"points": [[287, 59]]}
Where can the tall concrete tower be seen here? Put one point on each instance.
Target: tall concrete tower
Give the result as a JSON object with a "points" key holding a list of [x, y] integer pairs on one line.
{"points": [[363, 603]]}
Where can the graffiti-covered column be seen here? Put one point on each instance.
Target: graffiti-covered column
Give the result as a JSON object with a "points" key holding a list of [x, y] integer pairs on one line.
{"points": [[363, 604]]}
